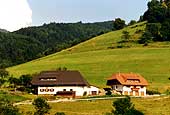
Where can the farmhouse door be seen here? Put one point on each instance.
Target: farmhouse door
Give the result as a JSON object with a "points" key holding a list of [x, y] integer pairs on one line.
{"points": [[142, 93], [94, 92], [125, 92], [131, 93], [136, 93]]}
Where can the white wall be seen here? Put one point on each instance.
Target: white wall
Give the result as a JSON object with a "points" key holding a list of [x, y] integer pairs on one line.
{"points": [[92, 88], [128, 89], [141, 89], [78, 89]]}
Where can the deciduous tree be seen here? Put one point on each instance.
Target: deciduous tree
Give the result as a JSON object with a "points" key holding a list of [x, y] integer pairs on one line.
{"points": [[41, 106], [119, 23], [124, 106], [7, 108], [3, 76], [126, 36]]}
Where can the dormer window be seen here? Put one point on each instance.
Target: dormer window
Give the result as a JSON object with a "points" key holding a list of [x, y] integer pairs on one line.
{"points": [[48, 79], [133, 81]]}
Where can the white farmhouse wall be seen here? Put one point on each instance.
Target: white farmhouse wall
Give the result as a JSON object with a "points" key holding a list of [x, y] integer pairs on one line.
{"points": [[129, 89], [143, 90], [46, 90], [78, 89], [125, 88], [91, 89]]}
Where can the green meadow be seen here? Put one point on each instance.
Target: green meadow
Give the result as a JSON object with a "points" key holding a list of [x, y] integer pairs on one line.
{"points": [[11, 97], [98, 58], [149, 106]]}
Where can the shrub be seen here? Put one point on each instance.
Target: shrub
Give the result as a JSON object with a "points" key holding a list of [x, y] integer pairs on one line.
{"points": [[138, 31], [122, 45], [7, 108], [110, 47], [167, 92], [107, 113], [108, 92], [151, 92], [22, 89], [126, 36], [146, 38], [60, 113], [41, 106], [124, 106]]}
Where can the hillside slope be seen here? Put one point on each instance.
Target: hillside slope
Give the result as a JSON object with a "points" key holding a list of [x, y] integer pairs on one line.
{"points": [[97, 61], [31, 43]]}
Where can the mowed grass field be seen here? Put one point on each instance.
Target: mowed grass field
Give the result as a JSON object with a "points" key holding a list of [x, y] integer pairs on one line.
{"points": [[96, 61], [11, 97], [149, 106]]}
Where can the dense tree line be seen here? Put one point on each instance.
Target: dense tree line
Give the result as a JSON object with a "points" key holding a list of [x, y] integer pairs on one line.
{"points": [[30, 43], [15, 48], [22, 83], [158, 17]]}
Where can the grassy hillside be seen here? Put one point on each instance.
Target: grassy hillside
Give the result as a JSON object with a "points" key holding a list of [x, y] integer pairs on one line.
{"points": [[98, 58], [11, 97], [149, 106]]}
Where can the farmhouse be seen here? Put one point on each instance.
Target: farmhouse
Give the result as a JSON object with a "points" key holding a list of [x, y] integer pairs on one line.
{"points": [[62, 83], [128, 84]]}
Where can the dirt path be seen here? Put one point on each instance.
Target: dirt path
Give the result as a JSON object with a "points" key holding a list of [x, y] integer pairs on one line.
{"points": [[89, 99], [67, 100]]}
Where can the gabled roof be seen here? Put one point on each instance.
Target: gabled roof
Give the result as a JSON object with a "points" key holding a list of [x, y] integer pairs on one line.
{"points": [[128, 79], [59, 78]]}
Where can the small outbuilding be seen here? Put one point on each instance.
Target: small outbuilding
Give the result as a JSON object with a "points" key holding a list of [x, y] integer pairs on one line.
{"points": [[62, 83], [128, 84]]}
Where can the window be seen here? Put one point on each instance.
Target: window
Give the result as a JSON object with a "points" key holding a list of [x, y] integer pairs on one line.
{"points": [[51, 90], [46, 90], [41, 90], [133, 81], [113, 87], [48, 79], [64, 89], [71, 89], [94, 92]]}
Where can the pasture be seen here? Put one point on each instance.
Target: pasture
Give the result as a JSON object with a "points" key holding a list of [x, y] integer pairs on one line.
{"points": [[149, 106], [98, 58]]}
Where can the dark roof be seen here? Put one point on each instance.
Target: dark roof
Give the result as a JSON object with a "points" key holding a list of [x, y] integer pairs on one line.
{"points": [[128, 79], [59, 78]]}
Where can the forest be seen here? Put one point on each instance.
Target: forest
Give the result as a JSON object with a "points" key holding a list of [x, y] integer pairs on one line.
{"points": [[158, 18], [31, 43]]}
